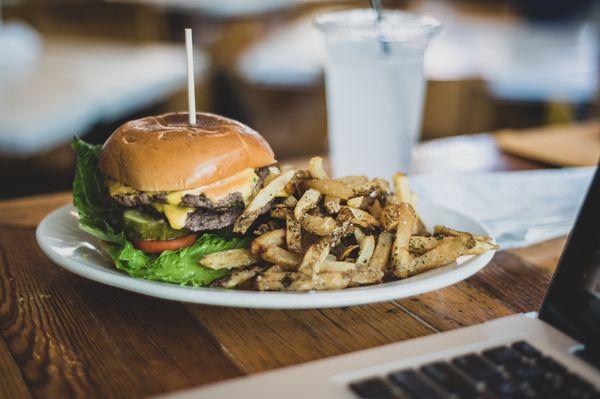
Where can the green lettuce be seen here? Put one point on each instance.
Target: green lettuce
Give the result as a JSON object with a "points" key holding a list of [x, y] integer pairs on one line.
{"points": [[102, 219]]}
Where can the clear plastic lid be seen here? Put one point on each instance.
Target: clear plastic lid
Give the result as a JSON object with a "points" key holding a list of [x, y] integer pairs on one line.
{"points": [[362, 24]]}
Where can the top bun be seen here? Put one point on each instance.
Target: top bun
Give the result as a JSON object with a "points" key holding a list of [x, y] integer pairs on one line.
{"points": [[166, 153]]}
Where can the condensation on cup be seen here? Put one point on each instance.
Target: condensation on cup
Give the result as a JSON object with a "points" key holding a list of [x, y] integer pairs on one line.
{"points": [[375, 88]]}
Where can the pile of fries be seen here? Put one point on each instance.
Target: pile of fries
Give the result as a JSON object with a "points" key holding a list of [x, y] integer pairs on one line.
{"points": [[321, 233]]}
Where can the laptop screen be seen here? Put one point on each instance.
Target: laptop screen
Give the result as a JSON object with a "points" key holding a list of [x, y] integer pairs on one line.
{"points": [[572, 303]]}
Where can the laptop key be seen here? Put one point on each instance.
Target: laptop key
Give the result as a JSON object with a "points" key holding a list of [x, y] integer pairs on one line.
{"points": [[449, 378], [371, 387], [476, 367], [415, 385], [504, 387], [576, 382], [525, 349], [502, 355], [551, 365], [525, 372]]}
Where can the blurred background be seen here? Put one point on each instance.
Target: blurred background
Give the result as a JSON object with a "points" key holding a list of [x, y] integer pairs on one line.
{"points": [[83, 67]]}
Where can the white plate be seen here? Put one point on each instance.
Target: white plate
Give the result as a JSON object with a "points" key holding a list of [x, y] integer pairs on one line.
{"points": [[65, 244]]}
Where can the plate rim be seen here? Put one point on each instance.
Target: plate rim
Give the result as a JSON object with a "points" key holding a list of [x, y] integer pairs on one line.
{"points": [[267, 300]]}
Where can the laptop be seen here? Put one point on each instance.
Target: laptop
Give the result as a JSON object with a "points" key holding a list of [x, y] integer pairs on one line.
{"points": [[552, 354]]}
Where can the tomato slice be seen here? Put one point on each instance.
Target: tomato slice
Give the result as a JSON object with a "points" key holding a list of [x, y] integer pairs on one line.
{"points": [[156, 247]]}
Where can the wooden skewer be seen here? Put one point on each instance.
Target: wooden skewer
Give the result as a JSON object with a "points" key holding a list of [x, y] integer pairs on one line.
{"points": [[189, 49]]}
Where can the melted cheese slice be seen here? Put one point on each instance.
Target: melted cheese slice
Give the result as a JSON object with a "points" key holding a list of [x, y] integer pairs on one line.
{"points": [[118, 188], [243, 182], [176, 215]]}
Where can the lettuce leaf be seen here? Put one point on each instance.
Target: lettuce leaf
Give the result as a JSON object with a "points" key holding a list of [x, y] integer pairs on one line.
{"points": [[102, 219]]}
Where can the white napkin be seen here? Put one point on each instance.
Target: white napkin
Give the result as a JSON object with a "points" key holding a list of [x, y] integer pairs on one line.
{"points": [[519, 208]]}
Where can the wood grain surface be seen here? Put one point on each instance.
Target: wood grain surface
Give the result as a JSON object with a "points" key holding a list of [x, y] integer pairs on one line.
{"points": [[64, 336]]}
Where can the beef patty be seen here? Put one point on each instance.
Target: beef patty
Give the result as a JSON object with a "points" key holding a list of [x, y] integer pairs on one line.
{"points": [[210, 219]]}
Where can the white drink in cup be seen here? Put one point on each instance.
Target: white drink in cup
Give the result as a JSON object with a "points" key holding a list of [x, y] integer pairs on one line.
{"points": [[375, 86]]}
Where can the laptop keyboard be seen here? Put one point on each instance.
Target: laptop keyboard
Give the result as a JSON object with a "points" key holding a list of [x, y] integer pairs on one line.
{"points": [[515, 371]]}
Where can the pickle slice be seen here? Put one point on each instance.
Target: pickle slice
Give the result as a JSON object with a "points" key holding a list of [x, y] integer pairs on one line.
{"points": [[142, 226]]}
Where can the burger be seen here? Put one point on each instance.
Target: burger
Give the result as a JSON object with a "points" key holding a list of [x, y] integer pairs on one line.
{"points": [[161, 193]]}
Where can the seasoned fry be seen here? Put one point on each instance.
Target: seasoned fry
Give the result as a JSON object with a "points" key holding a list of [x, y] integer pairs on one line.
{"points": [[350, 180], [330, 187], [275, 279], [389, 217], [375, 209], [337, 266], [367, 246], [420, 244], [279, 256], [358, 202], [266, 227], [308, 201], [262, 198], [272, 238], [344, 228], [384, 186], [481, 247], [237, 277], [363, 219], [365, 277], [316, 169], [293, 233], [402, 188], [229, 259], [401, 257], [381, 255], [331, 204], [315, 254], [365, 189], [447, 231], [446, 252], [324, 281], [321, 226]]}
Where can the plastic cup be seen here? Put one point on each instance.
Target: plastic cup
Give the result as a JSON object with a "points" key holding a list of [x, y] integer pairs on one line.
{"points": [[375, 88]]}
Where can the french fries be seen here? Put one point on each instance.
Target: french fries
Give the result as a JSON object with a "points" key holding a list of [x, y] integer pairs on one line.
{"points": [[308, 201], [363, 219], [316, 169], [230, 259], [331, 204], [381, 254], [321, 226], [367, 246], [360, 202], [262, 198], [401, 254], [351, 180], [446, 252], [236, 278], [293, 233], [272, 238], [314, 256], [282, 257], [333, 188], [320, 233]]}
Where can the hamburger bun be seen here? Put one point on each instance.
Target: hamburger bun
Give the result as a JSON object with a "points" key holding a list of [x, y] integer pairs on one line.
{"points": [[166, 153]]}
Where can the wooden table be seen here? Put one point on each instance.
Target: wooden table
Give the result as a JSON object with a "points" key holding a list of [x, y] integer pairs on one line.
{"points": [[62, 335]]}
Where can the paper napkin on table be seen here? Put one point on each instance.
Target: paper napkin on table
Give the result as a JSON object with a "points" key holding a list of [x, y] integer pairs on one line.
{"points": [[519, 208]]}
